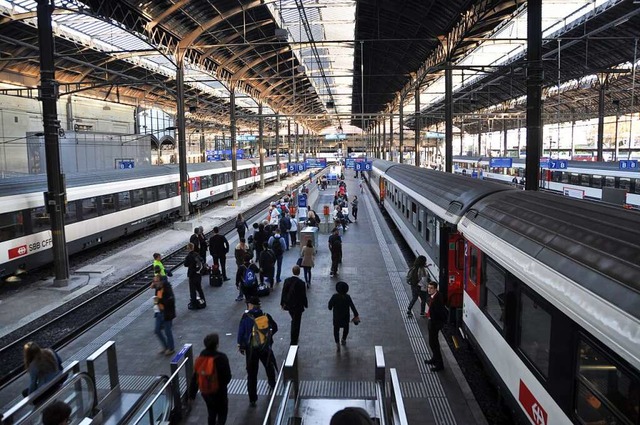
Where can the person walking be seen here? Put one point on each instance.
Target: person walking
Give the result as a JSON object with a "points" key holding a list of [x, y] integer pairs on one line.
{"points": [[340, 303], [285, 226], [164, 311], [335, 247], [247, 279], [241, 251], [194, 265], [293, 231], [308, 255], [354, 208], [437, 315], [241, 226], [43, 365], [278, 246], [219, 247], [255, 338], [267, 265], [216, 399], [195, 239], [202, 239], [294, 300], [417, 278]]}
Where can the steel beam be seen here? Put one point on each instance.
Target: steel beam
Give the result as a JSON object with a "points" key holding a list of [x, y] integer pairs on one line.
{"points": [[261, 144], [534, 93], [182, 137], [234, 144], [448, 131]]}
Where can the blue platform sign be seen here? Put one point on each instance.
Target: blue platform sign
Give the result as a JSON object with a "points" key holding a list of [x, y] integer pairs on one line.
{"points": [[316, 162], [364, 165], [126, 165], [292, 167], [628, 165], [301, 166], [501, 162], [558, 164], [350, 163], [332, 177], [302, 200]]}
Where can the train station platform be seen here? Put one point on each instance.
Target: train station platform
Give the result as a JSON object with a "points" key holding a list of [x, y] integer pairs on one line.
{"points": [[375, 270]]}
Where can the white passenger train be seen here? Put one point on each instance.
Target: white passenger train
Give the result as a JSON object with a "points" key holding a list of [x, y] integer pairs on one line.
{"points": [[581, 177], [546, 287], [105, 205]]}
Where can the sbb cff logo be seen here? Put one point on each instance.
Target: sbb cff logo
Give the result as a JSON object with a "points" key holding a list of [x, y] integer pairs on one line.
{"points": [[531, 405], [18, 251]]}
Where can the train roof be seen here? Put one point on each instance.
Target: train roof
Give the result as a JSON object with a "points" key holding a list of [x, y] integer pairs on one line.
{"points": [[593, 244], [445, 194], [520, 163], [29, 183]]}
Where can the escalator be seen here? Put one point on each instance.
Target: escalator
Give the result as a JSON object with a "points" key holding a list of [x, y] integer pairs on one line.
{"points": [[287, 407]]}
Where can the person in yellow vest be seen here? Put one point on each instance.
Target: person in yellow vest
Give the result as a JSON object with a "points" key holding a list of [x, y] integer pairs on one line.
{"points": [[158, 267]]}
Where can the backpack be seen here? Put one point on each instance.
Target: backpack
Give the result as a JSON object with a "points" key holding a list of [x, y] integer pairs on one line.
{"points": [[207, 374], [250, 278], [261, 332], [277, 247], [412, 276]]}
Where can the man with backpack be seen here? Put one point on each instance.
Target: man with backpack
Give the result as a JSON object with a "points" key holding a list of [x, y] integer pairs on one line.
{"points": [[247, 279], [211, 376], [255, 337], [267, 264], [294, 300], [278, 246]]}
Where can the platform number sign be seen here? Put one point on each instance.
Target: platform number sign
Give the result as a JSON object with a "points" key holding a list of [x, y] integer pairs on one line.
{"points": [[629, 165], [558, 164], [292, 167], [364, 166], [125, 165]]}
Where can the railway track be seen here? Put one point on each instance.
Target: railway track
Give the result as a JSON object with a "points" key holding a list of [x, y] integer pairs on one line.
{"points": [[64, 324]]}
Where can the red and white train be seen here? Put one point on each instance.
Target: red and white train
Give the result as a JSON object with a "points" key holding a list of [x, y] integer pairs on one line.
{"points": [[546, 287], [105, 205]]}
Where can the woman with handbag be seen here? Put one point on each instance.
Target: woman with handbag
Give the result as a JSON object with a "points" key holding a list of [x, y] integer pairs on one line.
{"points": [[307, 261], [340, 303]]}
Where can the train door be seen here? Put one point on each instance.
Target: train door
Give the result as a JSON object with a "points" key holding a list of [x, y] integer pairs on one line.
{"points": [[473, 271], [381, 187], [455, 272]]}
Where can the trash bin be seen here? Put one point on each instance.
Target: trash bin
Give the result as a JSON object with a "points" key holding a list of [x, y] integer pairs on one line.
{"points": [[309, 233]]}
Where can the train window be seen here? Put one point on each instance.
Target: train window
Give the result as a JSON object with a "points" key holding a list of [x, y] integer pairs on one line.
{"points": [[574, 178], [108, 204], [636, 185], [40, 220], [494, 292], [205, 182], [152, 196], [556, 176], [604, 388], [420, 220], [428, 228], [473, 265], [596, 181], [535, 333], [584, 180], [89, 208], [138, 197], [565, 178], [414, 214], [124, 200], [70, 212], [609, 181], [11, 225], [162, 192], [624, 183]]}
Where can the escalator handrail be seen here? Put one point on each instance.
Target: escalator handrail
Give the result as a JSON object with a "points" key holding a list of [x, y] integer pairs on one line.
{"points": [[174, 376], [159, 380], [273, 395], [397, 401], [380, 402], [71, 381], [283, 406]]}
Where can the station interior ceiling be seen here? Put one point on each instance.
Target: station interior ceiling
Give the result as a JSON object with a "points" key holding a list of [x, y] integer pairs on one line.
{"points": [[333, 64]]}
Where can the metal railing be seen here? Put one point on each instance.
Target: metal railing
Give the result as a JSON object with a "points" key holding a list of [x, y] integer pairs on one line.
{"points": [[287, 389], [397, 403], [109, 348], [380, 375], [143, 402], [28, 405]]}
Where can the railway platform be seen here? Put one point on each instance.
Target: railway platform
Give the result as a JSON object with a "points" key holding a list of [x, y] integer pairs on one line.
{"points": [[375, 270]]}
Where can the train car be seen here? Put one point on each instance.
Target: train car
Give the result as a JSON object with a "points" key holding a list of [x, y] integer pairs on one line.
{"points": [[106, 205], [551, 296], [581, 177], [427, 205]]}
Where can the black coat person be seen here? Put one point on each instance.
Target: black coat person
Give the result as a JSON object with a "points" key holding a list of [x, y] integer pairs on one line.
{"points": [[341, 303], [219, 247], [294, 300], [437, 315], [191, 262], [335, 246]]}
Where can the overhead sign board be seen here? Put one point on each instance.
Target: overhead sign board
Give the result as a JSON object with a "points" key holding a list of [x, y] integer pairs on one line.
{"points": [[316, 162], [628, 165], [501, 162], [364, 165], [349, 163], [335, 137]]}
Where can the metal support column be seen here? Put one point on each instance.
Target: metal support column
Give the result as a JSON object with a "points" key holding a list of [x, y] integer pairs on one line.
{"points": [[182, 136], [391, 149], [277, 147], [534, 92], [504, 138], [448, 118], [261, 143], [601, 90], [296, 144], [234, 145], [416, 151], [203, 146], [55, 196], [384, 136], [401, 130], [480, 139], [615, 139], [289, 140]]}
